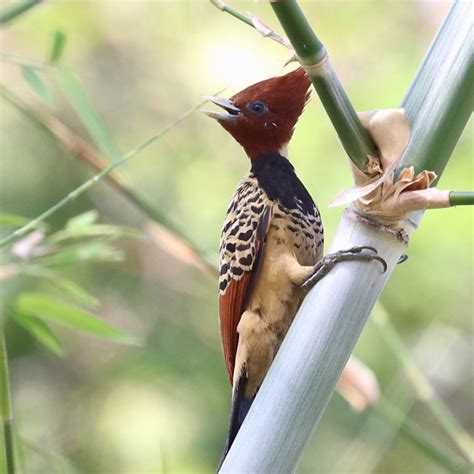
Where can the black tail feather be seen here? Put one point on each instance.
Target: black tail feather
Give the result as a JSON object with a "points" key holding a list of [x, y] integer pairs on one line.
{"points": [[240, 408]]}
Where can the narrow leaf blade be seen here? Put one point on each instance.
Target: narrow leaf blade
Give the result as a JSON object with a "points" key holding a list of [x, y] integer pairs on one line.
{"points": [[40, 331], [75, 93], [36, 83], [50, 309], [57, 48]]}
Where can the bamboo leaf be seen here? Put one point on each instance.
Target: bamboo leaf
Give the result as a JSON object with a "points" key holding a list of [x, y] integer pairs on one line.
{"points": [[99, 230], [36, 83], [76, 95], [82, 220], [40, 331], [93, 251], [77, 292], [51, 309], [57, 48]]}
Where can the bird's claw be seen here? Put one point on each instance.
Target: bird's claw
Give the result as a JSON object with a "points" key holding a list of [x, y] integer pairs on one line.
{"points": [[322, 268]]}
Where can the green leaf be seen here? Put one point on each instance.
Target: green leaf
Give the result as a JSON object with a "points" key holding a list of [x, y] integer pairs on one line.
{"points": [[76, 291], [82, 220], [98, 230], [75, 93], [51, 309], [59, 41], [36, 83], [40, 331]]}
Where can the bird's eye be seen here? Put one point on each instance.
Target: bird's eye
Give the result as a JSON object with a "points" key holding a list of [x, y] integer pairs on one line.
{"points": [[258, 107]]}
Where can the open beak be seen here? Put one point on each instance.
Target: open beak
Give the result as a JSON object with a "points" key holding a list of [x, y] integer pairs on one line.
{"points": [[231, 111]]}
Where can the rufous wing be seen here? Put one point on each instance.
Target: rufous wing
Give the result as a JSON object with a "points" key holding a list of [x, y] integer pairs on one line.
{"points": [[242, 249]]}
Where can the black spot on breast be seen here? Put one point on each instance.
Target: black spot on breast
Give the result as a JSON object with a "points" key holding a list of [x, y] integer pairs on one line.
{"points": [[223, 285], [230, 247], [242, 247], [257, 209], [246, 260], [245, 235], [234, 230], [224, 269], [292, 229]]}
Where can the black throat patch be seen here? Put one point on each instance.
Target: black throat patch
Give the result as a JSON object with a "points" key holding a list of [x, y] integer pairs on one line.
{"points": [[277, 177]]}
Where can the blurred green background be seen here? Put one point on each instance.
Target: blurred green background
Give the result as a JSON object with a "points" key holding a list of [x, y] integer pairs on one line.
{"points": [[163, 406]]}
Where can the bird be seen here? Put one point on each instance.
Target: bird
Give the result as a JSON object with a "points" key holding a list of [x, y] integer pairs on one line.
{"points": [[271, 249]]}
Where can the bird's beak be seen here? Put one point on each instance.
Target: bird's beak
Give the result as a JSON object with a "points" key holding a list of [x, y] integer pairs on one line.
{"points": [[231, 111]]}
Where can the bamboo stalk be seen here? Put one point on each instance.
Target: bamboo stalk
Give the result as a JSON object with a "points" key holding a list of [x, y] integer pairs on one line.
{"points": [[313, 55], [7, 409], [302, 378], [440, 99]]}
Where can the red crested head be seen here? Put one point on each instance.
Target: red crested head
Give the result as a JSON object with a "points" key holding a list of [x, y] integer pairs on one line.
{"points": [[262, 117]]}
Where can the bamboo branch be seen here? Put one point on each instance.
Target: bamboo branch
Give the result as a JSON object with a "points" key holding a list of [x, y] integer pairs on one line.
{"points": [[461, 198], [7, 409], [87, 154], [425, 392], [420, 437], [18, 8], [302, 378], [313, 55], [89, 183]]}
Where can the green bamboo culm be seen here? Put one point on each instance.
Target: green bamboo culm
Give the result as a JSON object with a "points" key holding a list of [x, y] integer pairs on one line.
{"points": [[16, 9], [313, 55], [441, 97], [7, 410], [460, 198]]}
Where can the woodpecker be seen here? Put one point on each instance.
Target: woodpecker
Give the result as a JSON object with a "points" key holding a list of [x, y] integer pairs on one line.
{"points": [[272, 241]]}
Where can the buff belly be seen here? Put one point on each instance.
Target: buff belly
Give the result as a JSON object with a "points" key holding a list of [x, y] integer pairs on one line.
{"points": [[290, 254]]}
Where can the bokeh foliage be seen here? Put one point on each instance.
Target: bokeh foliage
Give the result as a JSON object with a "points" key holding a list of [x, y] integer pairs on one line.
{"points": [[162, 407]]}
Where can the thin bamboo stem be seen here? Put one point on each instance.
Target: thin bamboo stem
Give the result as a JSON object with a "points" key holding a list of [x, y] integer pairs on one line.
{"points": [[18, 8], [89, 183], [461, 198], [86, 153], [7, 408], [420, 437], [423, 387], [313, 55]]}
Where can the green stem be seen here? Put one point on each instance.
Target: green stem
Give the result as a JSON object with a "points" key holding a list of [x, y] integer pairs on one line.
{"points": [[7, 409], [440, 99], [11, 12], [232, 11], [461, 198], [88, 184], [313, 56], [420, 437], [424, 389]]}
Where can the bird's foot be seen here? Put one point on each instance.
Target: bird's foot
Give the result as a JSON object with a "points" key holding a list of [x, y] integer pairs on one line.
{"points": [[323, 267]]}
